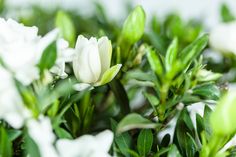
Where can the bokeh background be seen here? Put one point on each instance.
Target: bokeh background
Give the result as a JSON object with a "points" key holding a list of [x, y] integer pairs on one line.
{"points": [[205, 10]]}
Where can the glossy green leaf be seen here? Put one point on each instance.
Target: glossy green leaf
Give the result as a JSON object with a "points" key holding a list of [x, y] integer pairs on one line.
{"points": [[48, 57], [145, 141], [134, 121]]}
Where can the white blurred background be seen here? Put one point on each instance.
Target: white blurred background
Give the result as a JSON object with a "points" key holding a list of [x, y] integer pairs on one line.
{"points": [[207, 10]]}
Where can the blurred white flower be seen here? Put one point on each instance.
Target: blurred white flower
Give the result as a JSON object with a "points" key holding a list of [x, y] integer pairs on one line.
{"points": [[42, 134], [86, 146], [18, 49], [223, 37], [194, 109], [64, 53], [91, 63], [12, 109]]}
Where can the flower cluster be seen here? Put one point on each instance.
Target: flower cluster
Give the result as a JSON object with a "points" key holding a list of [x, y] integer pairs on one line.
{"points": [[21, 50]]}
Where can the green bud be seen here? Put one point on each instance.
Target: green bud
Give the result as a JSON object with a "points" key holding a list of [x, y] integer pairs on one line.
{"points": [[66, 27], [223, 119], [133, 27]]}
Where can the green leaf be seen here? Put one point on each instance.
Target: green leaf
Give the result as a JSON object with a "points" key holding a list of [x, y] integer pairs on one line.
{"points": [[226, 14], [134, 121], [184, 135], [133, 27], [121, 95], [13, 134], [62, 133], [109, 75], [192, 51], [48, 57], [123, 140], [66, 27], [173, 152], [207, 91], [31, 147], [223, 118], [155, 62], [171, 54], [5, 144], [153, 100], [145, 140]]}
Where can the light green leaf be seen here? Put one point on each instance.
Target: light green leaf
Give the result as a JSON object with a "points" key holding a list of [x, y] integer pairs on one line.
{"points": [[145, 140], [155, 62], [5, 144], [109, 75], [134, 121], [192, 51], [133, 27], [66, 26], [173, 152], [171, 54]]}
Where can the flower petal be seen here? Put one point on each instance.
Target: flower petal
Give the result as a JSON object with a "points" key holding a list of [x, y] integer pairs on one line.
{"points": [[105, 52], [109, 75], [105, 139], [86, 64]]}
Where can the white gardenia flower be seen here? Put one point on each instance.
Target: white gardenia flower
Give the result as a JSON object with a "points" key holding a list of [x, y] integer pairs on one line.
{"points": [[91, 63], [223, 37], [86, 145], [18, 47], [12, 109], [42, 134]]}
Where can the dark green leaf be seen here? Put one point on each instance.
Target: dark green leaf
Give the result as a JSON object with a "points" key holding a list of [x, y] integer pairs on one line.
{"points": [[145, 140], [123, 140], [48, 57], [207, 91]]}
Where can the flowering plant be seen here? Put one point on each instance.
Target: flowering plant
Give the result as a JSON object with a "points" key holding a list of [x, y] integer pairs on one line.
{"points": [[86, 87]]}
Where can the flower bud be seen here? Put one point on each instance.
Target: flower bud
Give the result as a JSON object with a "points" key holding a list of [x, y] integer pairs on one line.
{"points": [[133, 27], [91, 63], [223, 119]]}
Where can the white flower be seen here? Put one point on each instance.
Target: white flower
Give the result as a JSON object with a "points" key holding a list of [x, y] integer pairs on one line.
{"points": [[223, 37], [86, 146], [12, 109], [42, 134], [64, 53], [91, 63], [18, 47]]}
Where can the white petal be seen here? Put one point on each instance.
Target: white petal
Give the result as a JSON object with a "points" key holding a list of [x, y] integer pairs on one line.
{"points": [[105, 139], [86, 64], [105, 51], [81, 43]]}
